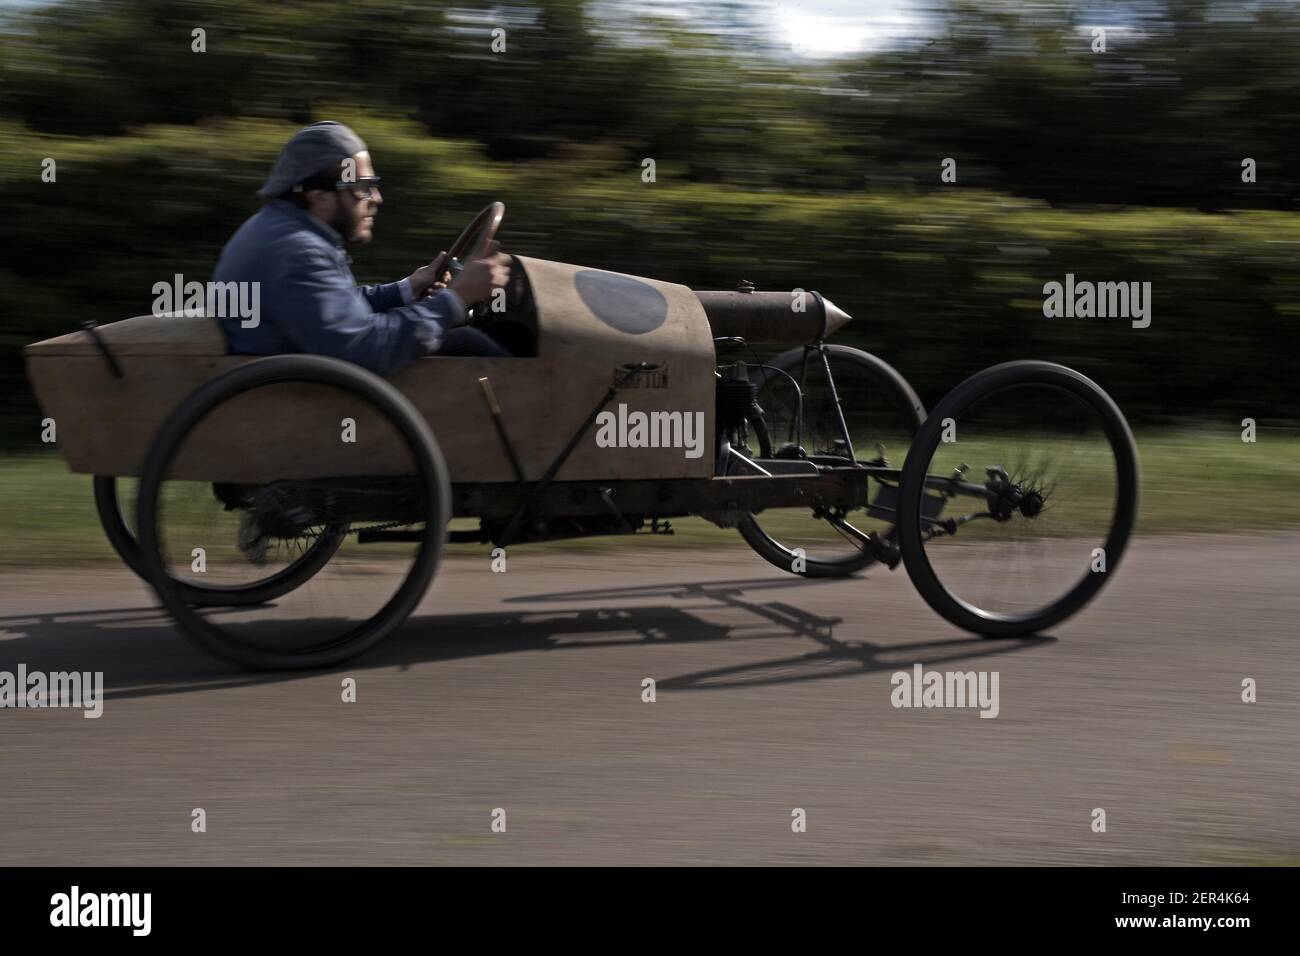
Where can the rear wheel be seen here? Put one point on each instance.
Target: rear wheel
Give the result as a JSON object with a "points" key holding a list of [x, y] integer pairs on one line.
{"points": [[881, 414], [230, 534], [1047, 508], [109, 495]]}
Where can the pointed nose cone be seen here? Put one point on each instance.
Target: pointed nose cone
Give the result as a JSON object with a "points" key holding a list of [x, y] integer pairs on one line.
{"points": [[835, 317]]}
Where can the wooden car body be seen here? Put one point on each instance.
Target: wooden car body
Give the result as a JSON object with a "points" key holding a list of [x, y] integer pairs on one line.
{"points": [[589, 326]]}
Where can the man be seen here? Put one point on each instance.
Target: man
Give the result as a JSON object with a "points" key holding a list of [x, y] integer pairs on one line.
{"points": [[322, 192]]}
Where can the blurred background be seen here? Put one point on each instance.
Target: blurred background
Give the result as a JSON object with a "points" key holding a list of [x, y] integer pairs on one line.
{"points": [[795, 145]]}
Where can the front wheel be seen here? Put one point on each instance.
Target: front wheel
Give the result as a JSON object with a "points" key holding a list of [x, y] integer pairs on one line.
{"points": [[841, 407], [1017, 499]]}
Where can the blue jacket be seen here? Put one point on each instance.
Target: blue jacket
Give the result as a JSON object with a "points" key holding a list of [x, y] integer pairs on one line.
{"points": [[310, 302]]}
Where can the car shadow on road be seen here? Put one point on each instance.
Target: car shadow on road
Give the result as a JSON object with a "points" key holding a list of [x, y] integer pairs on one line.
{"points": [[836, 657], [142, 654]]}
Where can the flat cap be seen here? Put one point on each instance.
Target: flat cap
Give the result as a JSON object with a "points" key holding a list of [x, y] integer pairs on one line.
{"points": [[311, 149]]}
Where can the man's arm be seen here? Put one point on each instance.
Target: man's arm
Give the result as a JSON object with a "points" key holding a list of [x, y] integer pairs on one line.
{"points": [[322, 312], [389, 295]]}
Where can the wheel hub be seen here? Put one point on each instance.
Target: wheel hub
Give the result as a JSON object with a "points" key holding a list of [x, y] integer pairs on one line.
{"points": [[1031, 504]]}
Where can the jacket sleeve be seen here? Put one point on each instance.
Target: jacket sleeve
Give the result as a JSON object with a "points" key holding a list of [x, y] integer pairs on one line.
{"points": [[385, 296], [322, 312]]}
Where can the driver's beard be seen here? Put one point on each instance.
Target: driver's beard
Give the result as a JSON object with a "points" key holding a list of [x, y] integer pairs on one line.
{"points": [[345, 222]]}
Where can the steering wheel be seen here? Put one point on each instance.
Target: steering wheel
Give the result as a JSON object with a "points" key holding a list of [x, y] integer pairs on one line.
{"points": [[474, 242]]}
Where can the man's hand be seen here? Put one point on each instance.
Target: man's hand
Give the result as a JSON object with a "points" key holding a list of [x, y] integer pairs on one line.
{"points": [[431, 278], [480, 276]]}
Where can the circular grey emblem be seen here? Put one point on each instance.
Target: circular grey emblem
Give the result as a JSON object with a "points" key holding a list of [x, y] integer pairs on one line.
{"points": [[621, 302]]}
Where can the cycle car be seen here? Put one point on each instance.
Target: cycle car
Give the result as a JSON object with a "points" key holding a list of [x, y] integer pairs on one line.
{"points": [[291, 510]]}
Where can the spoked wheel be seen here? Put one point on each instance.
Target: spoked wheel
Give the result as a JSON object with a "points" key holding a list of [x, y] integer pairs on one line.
{"points": [[881, 413], [1039, 523], [110, 493], [293, 416]]}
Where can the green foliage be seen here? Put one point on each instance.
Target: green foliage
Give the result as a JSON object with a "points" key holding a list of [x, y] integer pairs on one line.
{"points": [[941, 284], [793, 174], [1012, 89]]}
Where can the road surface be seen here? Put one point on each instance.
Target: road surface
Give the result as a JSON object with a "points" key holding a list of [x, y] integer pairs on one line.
{"points": [[523, 691]]}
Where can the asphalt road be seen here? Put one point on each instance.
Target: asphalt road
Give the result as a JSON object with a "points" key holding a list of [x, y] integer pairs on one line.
{"points": [[522, 691]]}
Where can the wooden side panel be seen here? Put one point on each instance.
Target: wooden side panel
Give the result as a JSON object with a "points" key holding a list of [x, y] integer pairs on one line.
{"points": [[104, 423], [545, 399]]}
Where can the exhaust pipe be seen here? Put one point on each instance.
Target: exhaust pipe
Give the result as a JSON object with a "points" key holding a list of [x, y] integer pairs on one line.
{"points": [[770, 318]]}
